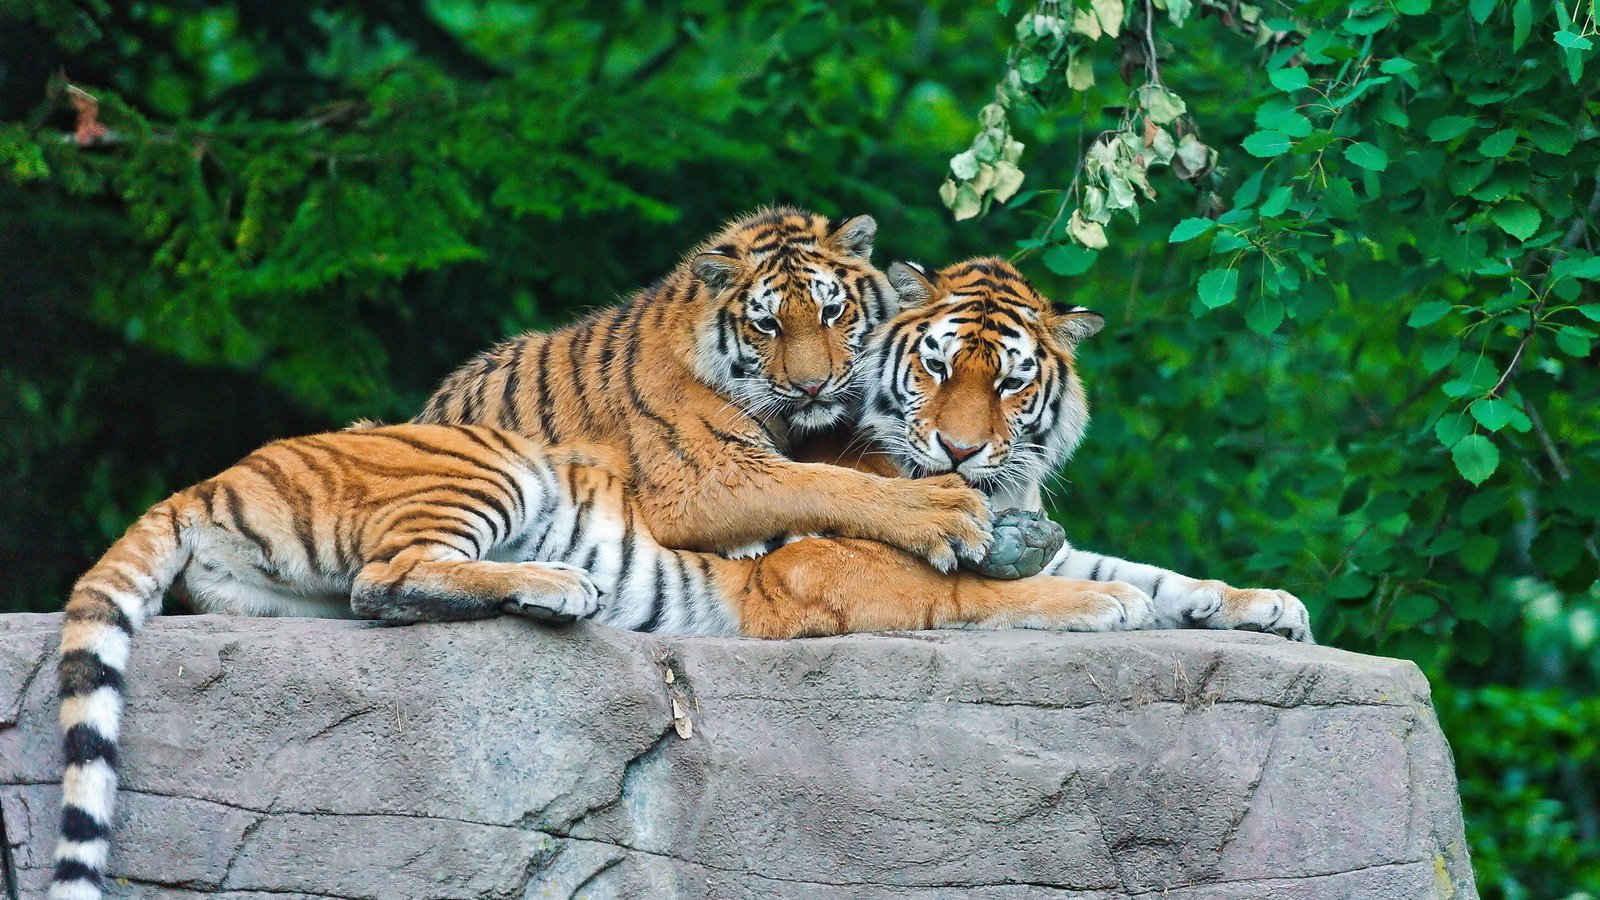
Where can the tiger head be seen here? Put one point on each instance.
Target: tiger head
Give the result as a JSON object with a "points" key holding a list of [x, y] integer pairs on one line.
{"points": [[976, 377], [792, 298]]}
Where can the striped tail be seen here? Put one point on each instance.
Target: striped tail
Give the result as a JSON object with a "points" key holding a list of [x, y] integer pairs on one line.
{"points": [[107, 606]]}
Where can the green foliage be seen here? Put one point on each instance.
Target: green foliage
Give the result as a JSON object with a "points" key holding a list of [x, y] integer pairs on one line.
{"points": [[1353, 290], [1369, 337]]}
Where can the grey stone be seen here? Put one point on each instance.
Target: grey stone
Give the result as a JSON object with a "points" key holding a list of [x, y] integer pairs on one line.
{"points": [[301, 758], [1021, 543]]}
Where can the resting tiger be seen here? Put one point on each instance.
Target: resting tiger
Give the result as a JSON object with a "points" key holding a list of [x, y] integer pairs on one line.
{"points": [[432, 523], [701, 381], [976, 378]]}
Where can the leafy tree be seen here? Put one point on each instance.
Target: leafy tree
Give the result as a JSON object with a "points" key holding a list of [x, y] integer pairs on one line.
{"points": [[1367, 338], [1351, 282]]}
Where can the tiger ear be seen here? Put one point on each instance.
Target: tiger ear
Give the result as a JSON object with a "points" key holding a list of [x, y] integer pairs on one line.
{"points": [[855, 236], [910, 281], [715, 269], [1075, 323]]}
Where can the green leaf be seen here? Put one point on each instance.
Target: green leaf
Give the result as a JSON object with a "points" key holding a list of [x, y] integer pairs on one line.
{"points": [[1428, 312], [1289, 79], [1367, 156], [1451, 428], [1493, 413], [1218, 287], [1414, 609], [1476, 457], [1278, 201], [1553, 137], [1267, 144], [1477, 554], [1368, 24], [1498, 144], [1437, 356], [1359, 88], [1521, 23], [1447, 128], [1575, 341], [1348, 586], [1396, 66], [1265, 315], [1516, 218], [1578, 265], [1288, 121], [1189, 228], [1572, 41], [1069, 259], [1481, 9]]}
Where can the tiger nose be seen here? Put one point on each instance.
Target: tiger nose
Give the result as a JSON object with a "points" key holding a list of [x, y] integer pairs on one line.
{"points": [[958, 453], [811, 388]]}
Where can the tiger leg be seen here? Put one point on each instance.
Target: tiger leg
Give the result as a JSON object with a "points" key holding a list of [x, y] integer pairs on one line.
{"points": [[436, 583], [820, 586], [1184, 602]]}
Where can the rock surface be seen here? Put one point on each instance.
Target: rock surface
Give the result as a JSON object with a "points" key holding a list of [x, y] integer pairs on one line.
{"points": [[296, 758]]}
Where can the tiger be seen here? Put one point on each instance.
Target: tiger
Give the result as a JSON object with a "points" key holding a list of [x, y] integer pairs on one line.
{"points": [[437, 523], [976, 378], [704, 381]]}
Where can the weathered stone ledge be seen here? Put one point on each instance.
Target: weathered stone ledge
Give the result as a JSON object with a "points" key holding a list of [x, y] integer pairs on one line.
{"points": [[299, 758]]}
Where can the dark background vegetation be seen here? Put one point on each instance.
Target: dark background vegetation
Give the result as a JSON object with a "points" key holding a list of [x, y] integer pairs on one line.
{"points": [[265, 218]]}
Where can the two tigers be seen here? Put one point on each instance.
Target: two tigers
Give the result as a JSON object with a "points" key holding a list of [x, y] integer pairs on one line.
{"points": [[555, 472]]}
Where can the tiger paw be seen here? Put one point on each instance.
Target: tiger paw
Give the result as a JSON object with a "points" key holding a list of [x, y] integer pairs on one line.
{"points": [[1216, 605], [554, 592], [1024, 542]]}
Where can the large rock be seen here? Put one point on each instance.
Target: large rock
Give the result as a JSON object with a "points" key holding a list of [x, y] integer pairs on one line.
{"points": [[297, 758]]}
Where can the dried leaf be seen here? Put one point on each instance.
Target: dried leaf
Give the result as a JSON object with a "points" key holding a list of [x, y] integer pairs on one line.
{"points": [[88, 128], [1087, 233], [1008, 178]]}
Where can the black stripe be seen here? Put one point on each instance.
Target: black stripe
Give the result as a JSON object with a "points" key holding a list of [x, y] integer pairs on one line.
{"points": [[118, 617], [82, 672], [484, 499], [654, 621], [451, 530], [684, 587], [577, 349], [489, 471], [72, 870], [626, 565], [302, 506], [1155, 589], [547, 406], [78, 825], [1094, 573], [230, 497], [510, 409], [83, 745]]}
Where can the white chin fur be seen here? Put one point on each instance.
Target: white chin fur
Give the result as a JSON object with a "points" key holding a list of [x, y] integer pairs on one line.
{"points": [[816, 416]]}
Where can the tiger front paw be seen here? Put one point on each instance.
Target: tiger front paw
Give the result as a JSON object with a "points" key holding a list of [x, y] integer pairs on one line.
{"points": [[1216, 605], [1117, 606], [944, 521], [1023, 542], [554, 592]]}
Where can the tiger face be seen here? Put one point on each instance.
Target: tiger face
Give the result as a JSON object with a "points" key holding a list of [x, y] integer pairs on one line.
{"points": [[976, 377], [793, 298]]}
